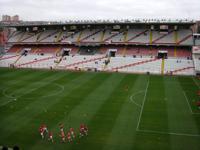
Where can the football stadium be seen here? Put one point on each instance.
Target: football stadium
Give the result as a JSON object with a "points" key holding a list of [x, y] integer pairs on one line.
{"points": [[100, 84]]}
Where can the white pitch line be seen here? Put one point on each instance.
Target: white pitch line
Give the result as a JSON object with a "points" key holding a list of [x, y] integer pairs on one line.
{"points": [[170, 133], [196, 82], [189, 105], [142, 106], [6, 103], [131, 98], [188, 102], [54, 93]]}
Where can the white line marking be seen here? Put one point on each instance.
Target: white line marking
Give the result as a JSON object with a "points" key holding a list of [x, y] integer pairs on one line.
{"points": [[142, 106], [6, 103], [188, 102], [131, 98], [15, 98], [189, 105], [196, 82], [170, 133], [45, 96]]}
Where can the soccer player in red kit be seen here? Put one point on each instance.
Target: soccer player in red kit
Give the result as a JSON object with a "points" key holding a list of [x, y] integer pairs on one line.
{"points": [[44, 128], [85, 130], [72, 132], [41, 130], [69, 138], [62, 135], [61, 127], [81, 130], [51, 136]]}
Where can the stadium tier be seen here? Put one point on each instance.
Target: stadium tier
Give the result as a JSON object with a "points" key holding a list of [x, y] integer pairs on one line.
{"points": [[158, 48], [105, 36]]}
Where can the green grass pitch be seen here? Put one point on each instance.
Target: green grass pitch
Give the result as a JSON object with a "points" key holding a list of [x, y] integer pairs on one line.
{"points": [[122, 111]]}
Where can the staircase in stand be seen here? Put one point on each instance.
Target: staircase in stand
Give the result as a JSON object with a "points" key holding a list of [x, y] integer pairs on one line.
{"points": [[181, 69], [59, 61], [36, 61], [164, 35], [90, 35], [59, 36], [47, 36], [30, 35], [108, 38], [137, 35], [67, 36], [85, 61], [106, 64], [134, 64], [184, 39], [79, 37], [39, 35], [20, 38], [17, 59]]}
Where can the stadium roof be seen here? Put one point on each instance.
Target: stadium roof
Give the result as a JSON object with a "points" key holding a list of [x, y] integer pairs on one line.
{"points": [[100, 22]]}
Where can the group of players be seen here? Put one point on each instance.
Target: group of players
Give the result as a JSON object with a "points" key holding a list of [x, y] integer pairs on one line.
{"points": [[69, 135]]}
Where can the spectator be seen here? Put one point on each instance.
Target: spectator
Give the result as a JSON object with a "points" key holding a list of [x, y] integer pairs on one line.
{"points": [[15, 148], [4, 148]]}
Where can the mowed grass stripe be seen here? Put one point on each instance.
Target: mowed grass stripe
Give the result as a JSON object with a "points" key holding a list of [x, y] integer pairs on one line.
{"points": [[6, 73], [107, 114], [191, 92], [24, 115], [72, 101], [154, 117], [15, 85], [37, 108], [86, 110], [19, 76], [180, 118], [124, 130], [89, 105], [25, 87]]}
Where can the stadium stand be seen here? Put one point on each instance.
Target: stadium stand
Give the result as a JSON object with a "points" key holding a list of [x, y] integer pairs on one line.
{"points": [[132, 48]]}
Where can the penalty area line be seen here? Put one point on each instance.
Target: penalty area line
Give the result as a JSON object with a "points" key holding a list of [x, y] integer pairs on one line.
{"points": [[145, 95], [189, 106], [196, 82], [169, 133]]}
